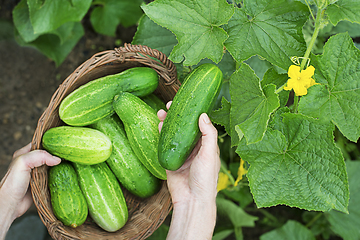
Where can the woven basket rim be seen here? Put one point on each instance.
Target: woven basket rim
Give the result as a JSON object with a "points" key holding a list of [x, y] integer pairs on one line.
{"points": [[111, 60]]}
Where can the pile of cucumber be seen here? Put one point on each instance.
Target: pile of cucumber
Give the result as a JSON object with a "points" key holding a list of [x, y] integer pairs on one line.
{"points": [[111, 140]]}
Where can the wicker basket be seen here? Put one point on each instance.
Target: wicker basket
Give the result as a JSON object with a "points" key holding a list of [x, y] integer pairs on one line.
{"points": [[145, 215]]}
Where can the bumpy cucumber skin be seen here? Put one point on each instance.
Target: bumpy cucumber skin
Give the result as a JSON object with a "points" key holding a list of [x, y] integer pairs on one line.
{"points": [[141, 127], [103, 194], [180, 131], [153, 101], [77, 144], [68, 202], [93, 101], [123, 162]]}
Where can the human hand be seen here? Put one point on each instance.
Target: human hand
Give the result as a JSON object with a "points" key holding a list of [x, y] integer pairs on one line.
{"points": [[193, 186], [15, 195]]}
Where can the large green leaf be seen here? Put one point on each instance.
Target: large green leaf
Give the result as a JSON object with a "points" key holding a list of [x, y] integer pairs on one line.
{"points": [[291, 230], [344, 10], [54, 47], [47, 16], [298, 165], [271, 29], [251, 105], [338, 98], [108, 14], [153, 35], [347, 225], [196, 25]]}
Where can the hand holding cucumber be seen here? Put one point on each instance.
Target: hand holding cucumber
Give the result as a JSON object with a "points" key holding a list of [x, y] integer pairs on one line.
{"points": [[15, 196], [193, 186]]}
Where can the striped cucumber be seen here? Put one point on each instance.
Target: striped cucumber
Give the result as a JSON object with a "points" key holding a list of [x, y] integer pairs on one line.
{"points": [[93, 101], [123, 162], [154, 101], [141, 127], [67, 200], [105, 199], [180, 131], [77, 144]]}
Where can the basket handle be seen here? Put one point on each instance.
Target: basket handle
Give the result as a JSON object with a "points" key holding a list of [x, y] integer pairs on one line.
{"points": [[137, 49]]}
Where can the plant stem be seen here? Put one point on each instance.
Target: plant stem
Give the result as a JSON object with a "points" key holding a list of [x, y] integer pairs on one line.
{"points": [[296, 103], [224, 170], [319, 17], [317, 216]]}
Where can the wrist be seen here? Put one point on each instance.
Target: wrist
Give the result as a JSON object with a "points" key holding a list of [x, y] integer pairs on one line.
{"points": [[194, 219], [7, 212]]}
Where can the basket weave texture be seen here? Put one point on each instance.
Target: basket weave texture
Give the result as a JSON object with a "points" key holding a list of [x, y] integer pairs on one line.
{"points": [[145, 215]]}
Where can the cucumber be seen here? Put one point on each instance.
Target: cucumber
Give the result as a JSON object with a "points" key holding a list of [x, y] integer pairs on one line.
{"points": [[103, 194], [93, 101], [77, 144], [68, 202], [123, 162], [180, 131], [141, 127], [153, 101]]}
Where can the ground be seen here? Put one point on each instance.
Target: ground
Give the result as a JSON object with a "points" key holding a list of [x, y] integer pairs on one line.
{"points": [[28, 79]]}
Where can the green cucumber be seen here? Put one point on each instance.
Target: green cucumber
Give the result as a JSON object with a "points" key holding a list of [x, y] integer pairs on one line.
{"points": [[93, 101], [103, 194], [180, 131], [68, 202], [154, 101], [77, 144], [141, 127], [123, 162]]}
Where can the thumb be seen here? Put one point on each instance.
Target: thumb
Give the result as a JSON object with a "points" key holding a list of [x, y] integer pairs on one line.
{"points": [[208, 131]]}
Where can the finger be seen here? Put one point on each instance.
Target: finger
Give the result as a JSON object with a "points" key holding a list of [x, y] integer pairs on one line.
{"points": [[208, 131], [161, 114], [160, 126], [22, 151], [37, 158], [168, 104]]}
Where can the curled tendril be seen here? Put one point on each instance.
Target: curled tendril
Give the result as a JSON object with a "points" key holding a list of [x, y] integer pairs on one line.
{"points": [[296, 60]]}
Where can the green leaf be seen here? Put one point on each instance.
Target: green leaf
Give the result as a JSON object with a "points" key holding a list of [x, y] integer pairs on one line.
{"points": [[344, 10], [108, 14], [347, 225], [251, 105], [337, 99], [196, 25], [298, 165], [22, 22], [271, 29], [273, 77], [222, 116], [222, 234], [259, 65], [52, 46], [153, 35], [160, 233], [47, 16], [237, 216], [291, 230]]}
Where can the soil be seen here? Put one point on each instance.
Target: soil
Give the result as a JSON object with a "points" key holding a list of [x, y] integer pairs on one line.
{"points": [[28, 79]]}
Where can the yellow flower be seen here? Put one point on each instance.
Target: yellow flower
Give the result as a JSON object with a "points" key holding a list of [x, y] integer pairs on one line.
{"points": [[300, 81], [241, 171], [223, 181]]}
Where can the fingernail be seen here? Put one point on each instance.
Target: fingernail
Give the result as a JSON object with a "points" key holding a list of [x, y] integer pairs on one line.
{"points": [[206, 118], [57, 158]]}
